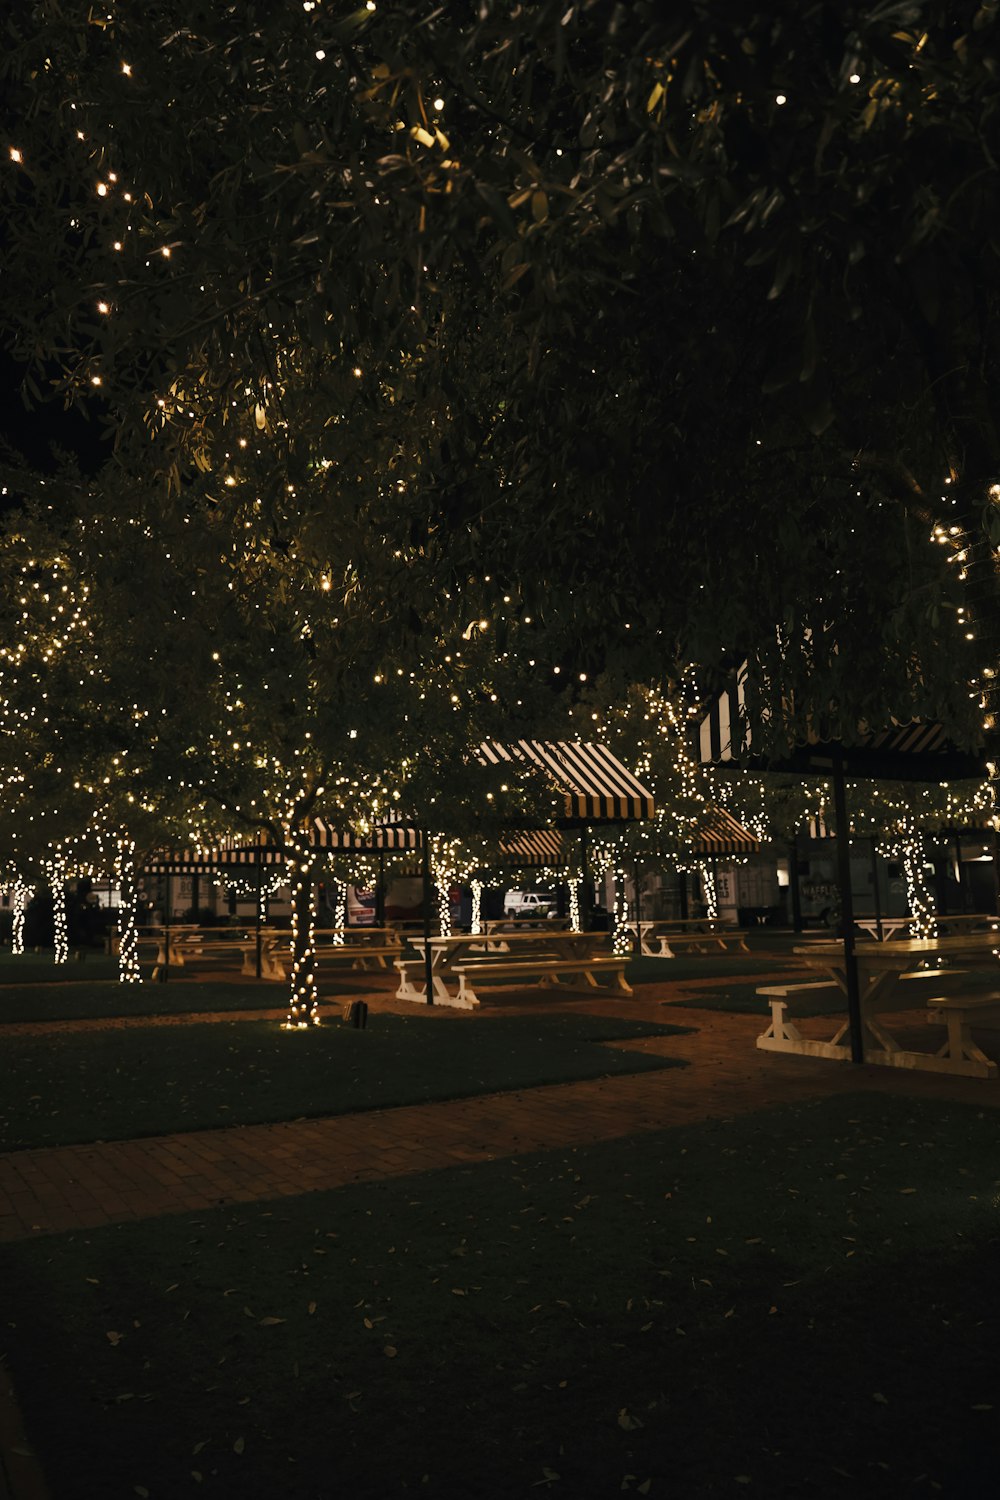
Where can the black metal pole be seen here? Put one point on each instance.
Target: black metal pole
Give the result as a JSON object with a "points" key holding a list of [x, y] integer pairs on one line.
{"points": [[380, 891], [793, 886], [256, 918], [847, 912], [963, 885], [638, 909], [586, 901], [877, 898], [428, 960], [682, 894], [166, 928]]}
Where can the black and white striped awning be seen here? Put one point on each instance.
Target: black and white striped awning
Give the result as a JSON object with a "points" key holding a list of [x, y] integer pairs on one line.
{"points": [[719, 832], [594, 784], [538, 847], [216, 860], [918, 751], [382, 838]]}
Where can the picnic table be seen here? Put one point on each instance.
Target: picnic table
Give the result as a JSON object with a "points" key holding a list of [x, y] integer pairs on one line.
{"points": [[667, 937], [890, 926], [894, 977], [178, 946], [362, 947], [947, 926], [524, 924], [458, 963]]}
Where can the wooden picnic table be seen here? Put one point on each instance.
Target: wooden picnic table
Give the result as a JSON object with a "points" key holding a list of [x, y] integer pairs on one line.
{"points": [[948, 926], [362, 947], [178, 946], [891, 978], [458, 962], [667, 937]]}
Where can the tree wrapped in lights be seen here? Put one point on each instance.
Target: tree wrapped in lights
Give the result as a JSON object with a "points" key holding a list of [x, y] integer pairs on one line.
{"points": [[22, 895]]}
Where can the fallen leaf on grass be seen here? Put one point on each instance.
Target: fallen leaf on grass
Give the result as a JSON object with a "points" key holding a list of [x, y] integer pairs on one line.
{"points": [[627, 1422], [878, 1396], [389, 1351], [907, 1190], [982, 1406], [269, 1322], [239, 1445], [113, 1338], [311, 1308]]}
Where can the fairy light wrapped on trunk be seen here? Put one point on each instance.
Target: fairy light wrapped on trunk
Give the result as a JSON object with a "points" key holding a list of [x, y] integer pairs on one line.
{"points": [[128, 932], [301, 862], [55, 869], [22, 895], [476, 924]]}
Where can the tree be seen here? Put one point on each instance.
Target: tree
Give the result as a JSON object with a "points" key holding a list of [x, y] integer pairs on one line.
{"points": [[695, 294]]}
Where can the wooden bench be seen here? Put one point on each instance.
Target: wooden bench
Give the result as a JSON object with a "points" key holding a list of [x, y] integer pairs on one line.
{"points": [[187, 949], [547, 971], [359, 955], [672, 943], [959, 1013]]}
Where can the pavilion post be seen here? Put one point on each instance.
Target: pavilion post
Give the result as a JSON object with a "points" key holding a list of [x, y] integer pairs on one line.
{"points": [[586, 891], [965, 903], [257, 932], [165, 970], [638, 910], [428, 957], [847, 911], [875, 890], [793, 886], [682, 894], [380, 891]]}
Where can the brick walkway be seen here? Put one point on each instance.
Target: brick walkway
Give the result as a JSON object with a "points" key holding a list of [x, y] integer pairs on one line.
{"points": [[62, 1188]]}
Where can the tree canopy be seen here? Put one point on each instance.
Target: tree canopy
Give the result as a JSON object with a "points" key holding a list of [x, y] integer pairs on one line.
{"points": [[676, 334]]}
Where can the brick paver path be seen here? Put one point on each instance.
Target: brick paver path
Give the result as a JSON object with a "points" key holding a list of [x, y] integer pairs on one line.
{"points": [[63, 1188]]}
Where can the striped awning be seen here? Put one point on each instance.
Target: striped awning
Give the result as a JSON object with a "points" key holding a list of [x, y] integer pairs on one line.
{"points": [[539, 847], [216, 860], [383, 836], [595, 786], [719, 833], [918, 751]]}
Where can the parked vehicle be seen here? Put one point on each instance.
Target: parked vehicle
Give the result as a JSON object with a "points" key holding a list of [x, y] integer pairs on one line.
{"points": [[529, 904]]}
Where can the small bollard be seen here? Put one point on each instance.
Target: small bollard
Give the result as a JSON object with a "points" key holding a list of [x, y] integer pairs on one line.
{"points": [[356, 1014]]}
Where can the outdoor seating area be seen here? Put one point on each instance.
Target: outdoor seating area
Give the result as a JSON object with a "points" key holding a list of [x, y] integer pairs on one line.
{"points": [[500, 751], [546, 959], [667, 937], [896, 978]]}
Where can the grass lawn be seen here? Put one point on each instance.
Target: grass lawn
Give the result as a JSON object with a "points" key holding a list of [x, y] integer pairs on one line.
{"points": [[40, 968], [107, 998], [71, 1087], [799, 1302]]}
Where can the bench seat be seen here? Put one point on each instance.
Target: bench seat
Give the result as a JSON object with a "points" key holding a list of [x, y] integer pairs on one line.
{"points": [[545, 970], [672, 943], [958, 1012]]}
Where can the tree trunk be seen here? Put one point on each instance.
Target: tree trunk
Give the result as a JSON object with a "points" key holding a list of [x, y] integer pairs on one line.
{"points": [[128, 918], [57, 876], [300, 863]]}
